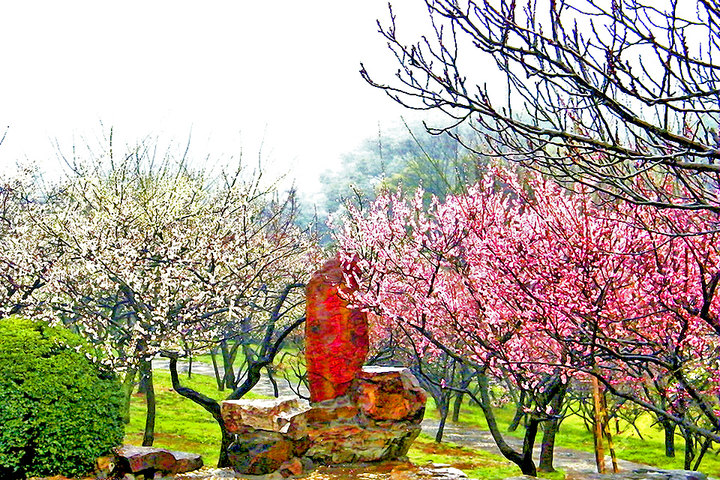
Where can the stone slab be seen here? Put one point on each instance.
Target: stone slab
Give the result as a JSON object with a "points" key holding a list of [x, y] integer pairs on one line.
{"points": [[282, 415]]}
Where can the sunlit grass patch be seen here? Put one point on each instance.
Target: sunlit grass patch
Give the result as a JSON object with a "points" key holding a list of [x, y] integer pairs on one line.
{"points": [[180, 423], [476, 463]]}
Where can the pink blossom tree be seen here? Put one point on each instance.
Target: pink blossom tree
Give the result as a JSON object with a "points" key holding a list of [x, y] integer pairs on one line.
{"points": [[519, 276]]}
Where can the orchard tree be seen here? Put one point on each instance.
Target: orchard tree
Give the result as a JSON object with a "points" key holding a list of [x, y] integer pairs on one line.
{"points": [[157, 258], [419, 274], [607, 94], [545, 286], [26, 257]]}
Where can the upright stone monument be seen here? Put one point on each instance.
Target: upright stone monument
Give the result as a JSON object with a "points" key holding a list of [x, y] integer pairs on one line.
{"points": [[356, 413], [336, 337]]}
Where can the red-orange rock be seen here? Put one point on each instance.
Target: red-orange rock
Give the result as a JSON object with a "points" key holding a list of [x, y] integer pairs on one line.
{"points": [[291, 468], [388, 393], [336, 337]]}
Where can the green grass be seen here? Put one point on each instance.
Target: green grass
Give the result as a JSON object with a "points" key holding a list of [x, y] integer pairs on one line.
{"points": [[628, 445], [184, 425], [180, 423], [476, 463]]}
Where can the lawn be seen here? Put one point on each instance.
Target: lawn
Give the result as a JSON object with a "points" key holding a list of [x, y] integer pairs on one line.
{"points": [[180, 423], [184, 425], [628, 445]]}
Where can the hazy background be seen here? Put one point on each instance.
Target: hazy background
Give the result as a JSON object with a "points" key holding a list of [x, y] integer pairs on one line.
{"points": [[279, 76]]}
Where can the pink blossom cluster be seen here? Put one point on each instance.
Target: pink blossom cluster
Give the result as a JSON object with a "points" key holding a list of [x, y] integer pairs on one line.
{"points": [[522, 276]]}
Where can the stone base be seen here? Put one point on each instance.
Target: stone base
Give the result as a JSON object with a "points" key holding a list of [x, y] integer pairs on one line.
{"points": [[376, 420]]}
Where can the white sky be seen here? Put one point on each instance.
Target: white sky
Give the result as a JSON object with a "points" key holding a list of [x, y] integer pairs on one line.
{"points": [[233, 72]]}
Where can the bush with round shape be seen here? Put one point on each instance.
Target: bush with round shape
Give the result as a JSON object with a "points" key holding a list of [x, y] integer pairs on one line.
{"points": [[59, 411]]}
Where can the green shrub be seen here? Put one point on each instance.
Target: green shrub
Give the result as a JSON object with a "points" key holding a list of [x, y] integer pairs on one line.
{"points": [[58, 410]]}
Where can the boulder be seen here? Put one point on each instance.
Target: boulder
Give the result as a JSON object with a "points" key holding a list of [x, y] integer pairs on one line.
{"points": [[291, 468], [261, 452], [186, 462], [148, 460], [377, 420], [344, 443], [283, 415], [268, 434], [388, 393], [336, 337]]}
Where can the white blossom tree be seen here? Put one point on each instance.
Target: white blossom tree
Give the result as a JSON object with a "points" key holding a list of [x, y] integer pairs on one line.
{"points": [[26, 258], [153, 254]]}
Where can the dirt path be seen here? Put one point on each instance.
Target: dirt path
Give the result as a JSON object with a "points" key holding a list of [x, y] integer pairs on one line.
{"points": [[566, 459]]}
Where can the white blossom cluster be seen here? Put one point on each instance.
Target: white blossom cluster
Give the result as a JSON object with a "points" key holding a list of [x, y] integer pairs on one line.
{"points": [[141, 260]]}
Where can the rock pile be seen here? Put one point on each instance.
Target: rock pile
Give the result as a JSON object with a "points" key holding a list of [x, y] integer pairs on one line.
{"points": [[356, 414], [270, 435], [377, 419]]}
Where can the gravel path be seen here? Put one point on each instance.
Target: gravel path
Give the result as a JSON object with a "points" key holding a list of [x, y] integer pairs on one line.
{"points": [[566, 459]]}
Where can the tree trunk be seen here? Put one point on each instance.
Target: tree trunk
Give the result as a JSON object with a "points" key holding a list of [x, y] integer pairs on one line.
{"points": [[443, 407], [229, 378], [527, 465], [218, 376], [550, 428], [227, 439], [669, 429], [466, 376], [457, 405], [273, 382], [523, 460], [703, 451], [689, 448], [128, 386], [519, 413], [212, 406], [149, 435], [144, 379]]}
